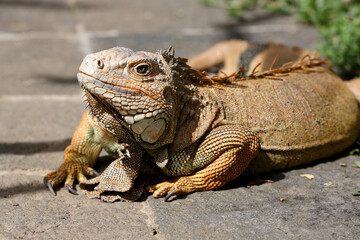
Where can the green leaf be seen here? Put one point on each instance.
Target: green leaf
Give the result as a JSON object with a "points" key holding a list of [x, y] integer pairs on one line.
{"points": [[356, 164], [356, 193], [355, 151]]}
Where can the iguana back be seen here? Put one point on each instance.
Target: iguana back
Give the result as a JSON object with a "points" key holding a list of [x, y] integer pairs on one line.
{"points": [[302, 116]]}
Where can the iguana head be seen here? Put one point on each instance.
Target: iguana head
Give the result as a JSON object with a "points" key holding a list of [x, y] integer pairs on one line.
{"points": [[137, 88]]}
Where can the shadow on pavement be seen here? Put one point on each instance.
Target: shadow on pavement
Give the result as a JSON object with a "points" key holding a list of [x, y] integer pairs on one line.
{"points": [[33, 4], [55, 5], [25, 148], [8, 192], [57, 79]]}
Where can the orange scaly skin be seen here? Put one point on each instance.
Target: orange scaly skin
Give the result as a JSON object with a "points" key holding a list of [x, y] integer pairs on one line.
{"points": [[204, 132], [229, 149]]}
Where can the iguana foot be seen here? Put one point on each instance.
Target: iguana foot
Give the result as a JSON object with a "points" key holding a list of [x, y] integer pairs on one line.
{"points": [[68, 172], [174, 187]]}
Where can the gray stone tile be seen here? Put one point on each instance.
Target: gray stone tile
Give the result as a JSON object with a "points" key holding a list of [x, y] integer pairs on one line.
{"points": [[184, 46], [21, 16], [34, 67], [28, 210], [38, 121], [161, 16]]}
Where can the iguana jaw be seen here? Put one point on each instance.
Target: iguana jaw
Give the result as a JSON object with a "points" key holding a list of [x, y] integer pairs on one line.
{"points": [[138, 103]]}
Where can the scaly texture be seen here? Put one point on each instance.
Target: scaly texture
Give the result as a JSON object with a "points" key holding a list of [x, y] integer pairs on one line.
{"points": [[221, 157], [203, 132]]}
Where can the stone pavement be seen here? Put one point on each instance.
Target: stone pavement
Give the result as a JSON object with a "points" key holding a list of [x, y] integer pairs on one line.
{"points": [[42, 43]]}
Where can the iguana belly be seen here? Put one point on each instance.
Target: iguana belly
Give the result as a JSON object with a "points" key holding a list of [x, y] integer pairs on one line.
{"points": [[299, 117]]}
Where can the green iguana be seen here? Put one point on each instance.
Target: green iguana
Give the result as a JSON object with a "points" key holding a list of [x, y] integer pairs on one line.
{"points": [[201, 132]]}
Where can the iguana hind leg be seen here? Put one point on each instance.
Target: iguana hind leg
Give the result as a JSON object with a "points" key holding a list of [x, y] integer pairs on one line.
{"points": [[221, 157]]}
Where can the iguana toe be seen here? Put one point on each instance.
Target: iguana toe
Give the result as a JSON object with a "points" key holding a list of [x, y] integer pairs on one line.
{"points": [[168, 189], [161, 189]]}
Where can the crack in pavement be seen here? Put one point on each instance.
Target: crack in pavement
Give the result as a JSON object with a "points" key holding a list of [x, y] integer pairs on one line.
{"points": [[150, 221]]}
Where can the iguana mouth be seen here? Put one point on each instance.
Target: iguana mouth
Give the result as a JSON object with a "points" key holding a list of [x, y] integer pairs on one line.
{"points": [[115, 97], [84, 73], [149, 126], [110, 86]]}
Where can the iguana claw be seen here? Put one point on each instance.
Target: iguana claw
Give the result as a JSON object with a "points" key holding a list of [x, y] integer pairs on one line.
{"points": [[169, 194], [95, 173], [48, 184], [71, 190], [51, 188]]}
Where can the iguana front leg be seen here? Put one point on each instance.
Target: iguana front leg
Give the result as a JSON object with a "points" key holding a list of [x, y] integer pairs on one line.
{"points": [[221, 157], [79, 157]]}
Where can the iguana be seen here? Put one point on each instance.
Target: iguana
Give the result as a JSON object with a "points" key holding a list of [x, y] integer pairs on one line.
{"points": [[201, 132]]}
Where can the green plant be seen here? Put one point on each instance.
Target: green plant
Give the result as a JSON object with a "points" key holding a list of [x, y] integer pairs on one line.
{"points": [[356, 164], [337, 20]]}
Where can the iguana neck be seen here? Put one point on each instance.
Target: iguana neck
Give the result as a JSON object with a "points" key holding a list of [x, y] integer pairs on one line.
{"points": [[104, 116], [187, 83], [195, 110]]}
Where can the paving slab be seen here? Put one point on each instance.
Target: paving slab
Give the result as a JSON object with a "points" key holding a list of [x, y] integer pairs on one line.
{"points": [[35, 16], [147, 16], [39, 66], [39, 120], [36, 214]]}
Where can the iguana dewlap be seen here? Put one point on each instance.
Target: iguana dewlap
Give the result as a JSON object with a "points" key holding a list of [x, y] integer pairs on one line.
{"points": [[200, 133]]}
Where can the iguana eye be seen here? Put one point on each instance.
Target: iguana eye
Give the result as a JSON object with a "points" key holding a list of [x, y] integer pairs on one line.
{"points": [[100, 64], [142, 69]]}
